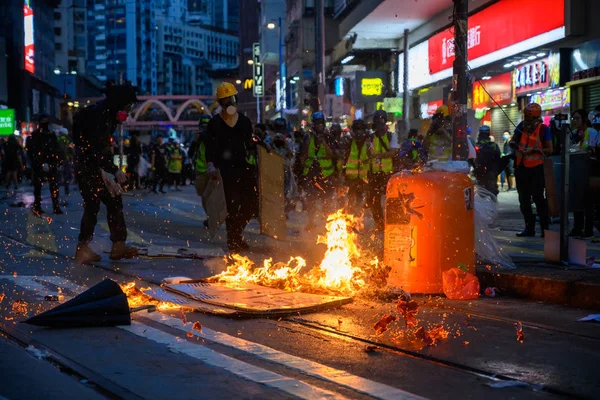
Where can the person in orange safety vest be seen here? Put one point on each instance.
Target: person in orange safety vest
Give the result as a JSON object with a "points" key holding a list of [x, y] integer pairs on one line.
{"points": [[532, 142]]}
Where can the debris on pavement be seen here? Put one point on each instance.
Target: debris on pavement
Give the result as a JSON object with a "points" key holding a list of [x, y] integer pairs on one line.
{"points": [[382, 325], [460, 285], [520, 334], [430, 337], [197, 326], [37, 353], [409, 310], [591, 317], [20, 307], [491, 291], [506, 384], [370, 348], [54, 297]]}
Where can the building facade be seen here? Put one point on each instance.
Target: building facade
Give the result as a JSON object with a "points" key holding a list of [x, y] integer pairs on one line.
{"points": [[122, 40], [70, 36]]}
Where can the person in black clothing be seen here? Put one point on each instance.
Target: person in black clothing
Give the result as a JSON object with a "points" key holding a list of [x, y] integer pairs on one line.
{"points": [[44, 152], [93, 127], [508, 159], [487, 161], [160, 155], [134, 154], [12, 162], [229, 147]]}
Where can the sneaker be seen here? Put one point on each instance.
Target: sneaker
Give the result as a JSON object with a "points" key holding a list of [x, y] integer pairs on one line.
{"points": [[85, 255], [526, 233], [120, 251]]}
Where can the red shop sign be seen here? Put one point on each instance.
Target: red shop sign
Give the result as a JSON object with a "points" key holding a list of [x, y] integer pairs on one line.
{"points": [[433, 106], [532, 76], [501, 25], [499, 88]]}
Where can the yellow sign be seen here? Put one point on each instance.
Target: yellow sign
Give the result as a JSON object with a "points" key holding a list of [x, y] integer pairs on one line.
{"points": [[371, 87], [248, 83], [379, 105]]}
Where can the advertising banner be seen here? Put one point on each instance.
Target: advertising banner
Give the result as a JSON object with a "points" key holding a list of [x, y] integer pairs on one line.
{"points": [[371, 86], [28, 43], [259, 82], [503, 24], [7, 121], [494, 91]]}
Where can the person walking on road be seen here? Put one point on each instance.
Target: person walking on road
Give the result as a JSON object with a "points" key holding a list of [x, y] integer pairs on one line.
{"points": [[44, 152], [160, 155], [12, 163], [532, 142], [382, 155], [230, 148], [487, 160], [175, 164], [197, 153], [318, 173], [93, 127]]}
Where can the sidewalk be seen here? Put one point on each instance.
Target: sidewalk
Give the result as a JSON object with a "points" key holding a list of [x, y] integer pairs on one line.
{"points": [[175, 220]]}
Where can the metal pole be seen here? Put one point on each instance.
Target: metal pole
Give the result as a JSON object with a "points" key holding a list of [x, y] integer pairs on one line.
{"points": [[459, 85], [257, 110], [564, 195], [320, 49], [281, 73], [405, 93]]}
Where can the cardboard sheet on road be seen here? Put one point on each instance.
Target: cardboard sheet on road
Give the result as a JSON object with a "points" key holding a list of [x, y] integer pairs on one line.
{"points": [[271, 194], [252, 299], [170, 297], [180, 252]]}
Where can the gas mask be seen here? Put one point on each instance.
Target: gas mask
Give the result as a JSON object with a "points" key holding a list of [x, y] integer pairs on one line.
{"points": [[530, 124], [229, 105], [319, 128]]}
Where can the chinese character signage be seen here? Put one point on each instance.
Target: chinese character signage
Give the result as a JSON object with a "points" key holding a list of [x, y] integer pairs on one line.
{"points": [[371, 86], [493, 92], [28, 44], [503, 24], [259, 83], [428, 109], [532, 76], [7, 122]]}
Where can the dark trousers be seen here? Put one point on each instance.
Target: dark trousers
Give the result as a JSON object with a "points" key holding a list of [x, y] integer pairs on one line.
{"points": [[584, 220], [530, 186], [94, 191], [160, 176], [39, 178], [356, 190], [377, 185], [174, 178], [241, 194]]}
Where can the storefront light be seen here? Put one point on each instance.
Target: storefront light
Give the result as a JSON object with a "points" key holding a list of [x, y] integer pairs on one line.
{"points": [[531, 58], [347, 59], [522, 61], [528, 94], [513, 104], [514, 63], [485, 78], [509, 65], [542, 54]]}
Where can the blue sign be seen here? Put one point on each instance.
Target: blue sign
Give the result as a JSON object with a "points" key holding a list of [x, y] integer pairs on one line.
{"points": [[338, 85]]}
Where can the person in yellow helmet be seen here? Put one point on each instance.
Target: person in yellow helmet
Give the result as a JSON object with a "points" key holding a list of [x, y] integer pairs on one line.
{"points": [[229, 145]]}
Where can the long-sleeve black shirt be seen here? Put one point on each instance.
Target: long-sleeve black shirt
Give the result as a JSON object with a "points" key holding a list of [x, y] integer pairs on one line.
{"points": [[43, 148], [229, 147]]}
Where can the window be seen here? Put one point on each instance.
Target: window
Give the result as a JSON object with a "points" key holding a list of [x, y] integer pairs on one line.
{"points": [[58, 46], [58, 31], [57, 16]]}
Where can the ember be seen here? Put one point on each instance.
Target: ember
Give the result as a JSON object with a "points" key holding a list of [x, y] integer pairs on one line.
{"points": [[20, 307], [382, 325], [409, 311], [2, 297], [197, 326], [343, 269], [520, 334], [431, 336], [136, 298]]}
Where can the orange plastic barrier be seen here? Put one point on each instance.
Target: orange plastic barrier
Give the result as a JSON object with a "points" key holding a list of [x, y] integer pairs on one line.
{"points": [[429, 228]]}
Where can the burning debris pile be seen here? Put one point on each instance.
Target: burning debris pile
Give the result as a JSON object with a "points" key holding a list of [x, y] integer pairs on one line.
{"points": [[343, 269], [137, 298]]}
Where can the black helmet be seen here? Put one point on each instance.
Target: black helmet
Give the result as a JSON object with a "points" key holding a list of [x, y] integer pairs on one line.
{"points": [[380, 114], [120, 95], [359, 124], [279, 123]]}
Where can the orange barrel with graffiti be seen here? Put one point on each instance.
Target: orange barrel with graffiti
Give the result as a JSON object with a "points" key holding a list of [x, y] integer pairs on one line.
{"points": [[429, 228]]}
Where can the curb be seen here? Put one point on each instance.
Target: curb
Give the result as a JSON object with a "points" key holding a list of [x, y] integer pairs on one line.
{"points": [[573, 293]]}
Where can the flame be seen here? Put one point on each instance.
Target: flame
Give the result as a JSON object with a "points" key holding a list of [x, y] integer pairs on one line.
{"points": [[136, 298], [342, 270]]}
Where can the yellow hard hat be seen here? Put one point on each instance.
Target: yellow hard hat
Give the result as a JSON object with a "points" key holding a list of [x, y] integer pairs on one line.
{"points": [[443, 110], [226, 89]]}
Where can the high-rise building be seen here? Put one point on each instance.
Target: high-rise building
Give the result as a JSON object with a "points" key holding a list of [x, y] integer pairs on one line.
{"points": [[70, 36], [248, 35], [122, 42]]}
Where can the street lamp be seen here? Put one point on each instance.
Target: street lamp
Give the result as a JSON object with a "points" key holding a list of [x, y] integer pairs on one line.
{"points": [[238, 81], [271, 25], [250, 62]]}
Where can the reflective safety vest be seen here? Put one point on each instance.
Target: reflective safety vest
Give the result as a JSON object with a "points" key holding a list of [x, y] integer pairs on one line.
{"points": [[325, 162], [585, 143], [531, 141], [357, 164], [200, 162], [383, 164], [439, 148], [175, 165]]}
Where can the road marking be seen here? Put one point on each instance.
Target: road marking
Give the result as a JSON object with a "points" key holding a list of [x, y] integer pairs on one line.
{"points": [[32, 283], [242, 369], [307, 367], [186, 214], [247, 371], [131, 235]]}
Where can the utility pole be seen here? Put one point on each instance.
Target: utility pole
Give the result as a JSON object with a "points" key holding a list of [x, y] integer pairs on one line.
{"points": [[460, 84], [320, 49], [405, 94]]}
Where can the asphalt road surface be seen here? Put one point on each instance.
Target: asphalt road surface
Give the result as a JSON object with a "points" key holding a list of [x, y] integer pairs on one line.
{"points": [[331, 354]]}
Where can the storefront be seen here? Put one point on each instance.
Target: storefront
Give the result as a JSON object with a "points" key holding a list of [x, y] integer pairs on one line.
{"points": [[554, 101], [585, 69], [494, 103]]}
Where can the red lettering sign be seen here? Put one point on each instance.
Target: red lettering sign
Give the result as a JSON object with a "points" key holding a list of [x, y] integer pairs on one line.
{"points": [[532, 76], [499, 88], [501, 25]]}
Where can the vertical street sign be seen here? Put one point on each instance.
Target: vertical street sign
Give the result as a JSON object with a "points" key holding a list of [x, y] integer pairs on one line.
{"points": [[259, 84]]}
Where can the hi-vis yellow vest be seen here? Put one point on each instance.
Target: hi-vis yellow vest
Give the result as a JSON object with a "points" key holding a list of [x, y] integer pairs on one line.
{"points": [[200, 162], [321, 156], [383, 164], [358, 163]]}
